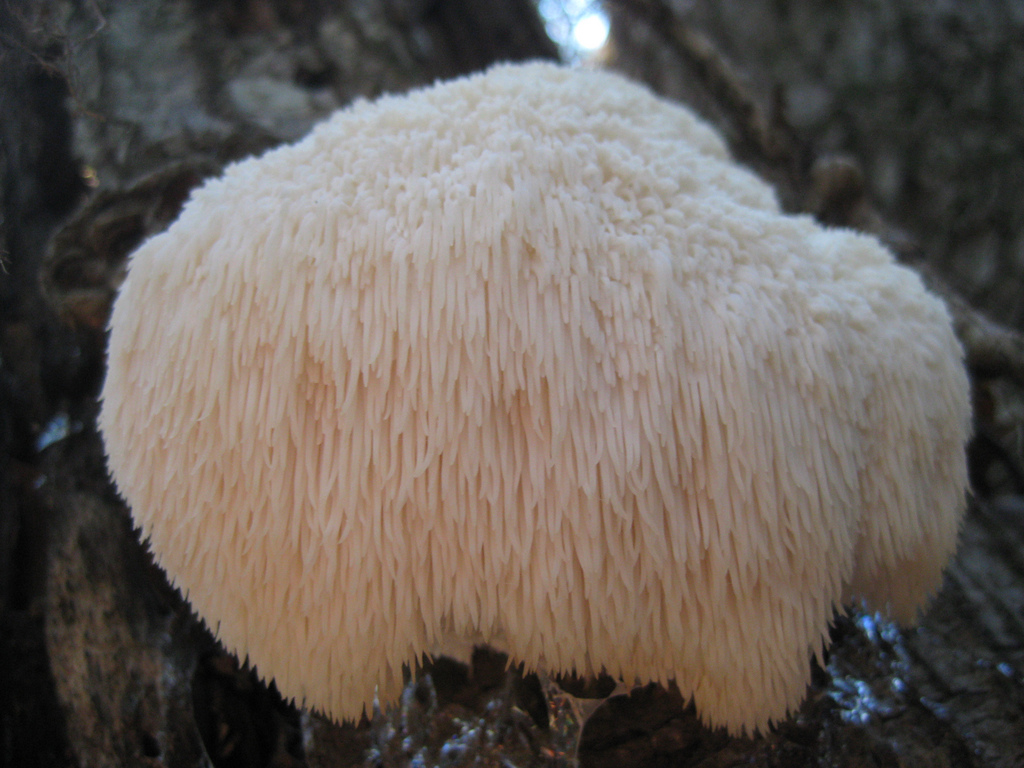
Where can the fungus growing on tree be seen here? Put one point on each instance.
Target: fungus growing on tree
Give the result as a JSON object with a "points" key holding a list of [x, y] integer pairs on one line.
{"points": [[524, 359]]}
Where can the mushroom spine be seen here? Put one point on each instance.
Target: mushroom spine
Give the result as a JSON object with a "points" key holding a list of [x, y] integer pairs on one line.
{"points": [[525, 359]]}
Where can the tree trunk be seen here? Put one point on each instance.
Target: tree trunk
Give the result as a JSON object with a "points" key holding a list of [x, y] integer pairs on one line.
{"points": [[112, 110]]}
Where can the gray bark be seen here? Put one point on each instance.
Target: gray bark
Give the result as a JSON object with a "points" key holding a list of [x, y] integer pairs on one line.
{"points": [[925, 96]]}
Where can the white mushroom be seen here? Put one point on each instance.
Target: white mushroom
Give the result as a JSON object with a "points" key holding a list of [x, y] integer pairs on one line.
{"points": [[524, 359]]}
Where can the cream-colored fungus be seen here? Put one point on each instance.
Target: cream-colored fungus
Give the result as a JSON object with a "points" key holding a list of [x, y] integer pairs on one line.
{"points": [[525, 359]]}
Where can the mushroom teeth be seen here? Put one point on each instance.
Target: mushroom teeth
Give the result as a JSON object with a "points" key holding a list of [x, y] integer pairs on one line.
{"points": [[525, 359]]}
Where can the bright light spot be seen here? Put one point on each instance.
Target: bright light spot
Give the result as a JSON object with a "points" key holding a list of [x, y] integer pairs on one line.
{"points": [[591, 31], [579, 27]]}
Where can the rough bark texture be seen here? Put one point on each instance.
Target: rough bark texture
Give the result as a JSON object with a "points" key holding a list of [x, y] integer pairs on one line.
{"points": [[112, 110], [925, 95]]}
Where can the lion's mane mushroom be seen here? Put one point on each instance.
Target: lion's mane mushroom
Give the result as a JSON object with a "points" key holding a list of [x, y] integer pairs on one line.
{"points": [[524, 359]]}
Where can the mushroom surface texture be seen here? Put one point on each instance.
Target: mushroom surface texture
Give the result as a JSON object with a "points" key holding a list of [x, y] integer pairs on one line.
{"points": [[524, 359]]}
